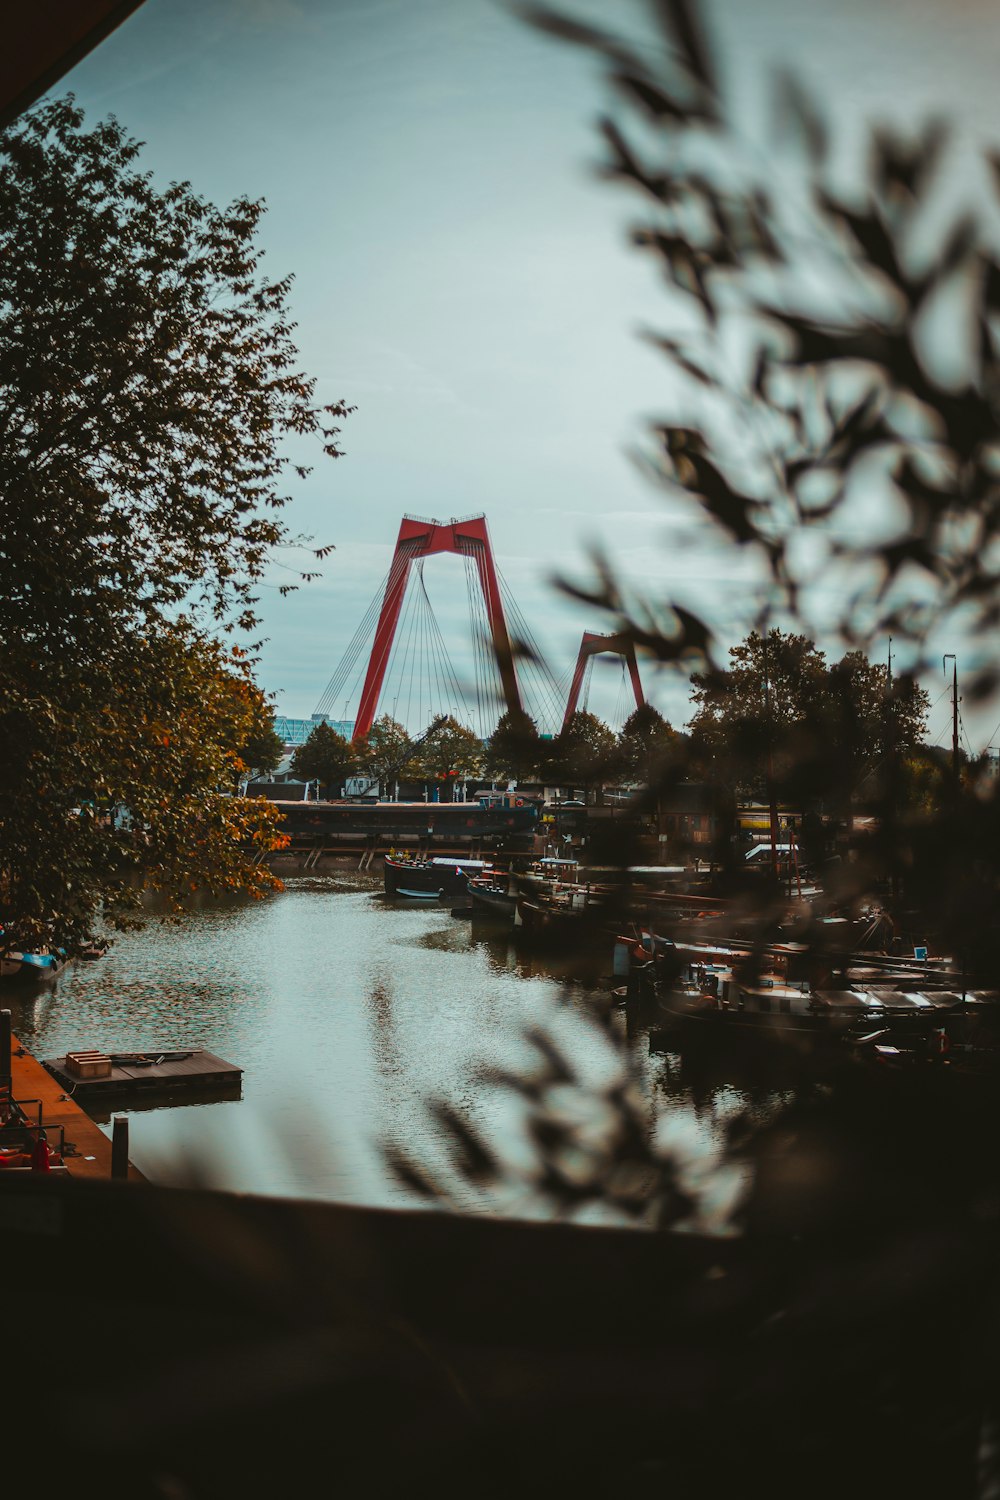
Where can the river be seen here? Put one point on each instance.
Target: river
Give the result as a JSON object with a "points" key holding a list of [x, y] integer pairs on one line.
{"points": [[348, 1014]]}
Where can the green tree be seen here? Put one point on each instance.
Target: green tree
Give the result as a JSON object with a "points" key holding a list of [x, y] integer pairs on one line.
{"points": [[155, 743], [583, 753], [748, 715], [513, 750], [263, 751], [875, 723], [149, 394], [645, 743], [781, 710], [451, 753], [325, 757], [384, 752]]}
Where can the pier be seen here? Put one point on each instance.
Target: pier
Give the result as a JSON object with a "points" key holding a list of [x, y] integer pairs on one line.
{"points": [[133, 1077], [89, 1153]]}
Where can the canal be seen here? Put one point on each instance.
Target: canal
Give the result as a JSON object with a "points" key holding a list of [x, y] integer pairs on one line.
{"points": [[348, 1014]]}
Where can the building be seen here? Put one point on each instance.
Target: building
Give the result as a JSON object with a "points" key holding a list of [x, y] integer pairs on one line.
{"points": [[295, 732]]}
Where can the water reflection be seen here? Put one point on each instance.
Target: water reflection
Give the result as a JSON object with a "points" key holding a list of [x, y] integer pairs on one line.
{"points": [[346, 1014]]}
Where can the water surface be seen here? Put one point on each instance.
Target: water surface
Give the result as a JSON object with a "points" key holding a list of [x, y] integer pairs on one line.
{"points": [[347, 1013]]}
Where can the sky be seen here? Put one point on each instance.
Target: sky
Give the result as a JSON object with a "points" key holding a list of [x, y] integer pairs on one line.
{"points": [[463, 278]]}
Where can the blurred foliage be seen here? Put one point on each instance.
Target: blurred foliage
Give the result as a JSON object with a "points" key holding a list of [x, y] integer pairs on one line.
{"points": [[838, 440], [835, 434], [584, 1147]]}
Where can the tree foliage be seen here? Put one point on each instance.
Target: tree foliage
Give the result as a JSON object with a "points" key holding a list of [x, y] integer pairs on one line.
{"points": [[110, 787], [781, 710], [263, 752], [151, 406], [325, 757], [582, 754], [452, 752], [384, 752], [514, 749], [645, 743]]}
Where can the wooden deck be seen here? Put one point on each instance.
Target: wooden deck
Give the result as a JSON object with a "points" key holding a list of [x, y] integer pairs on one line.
{"points": [[136, 1075], [88, 1148]]}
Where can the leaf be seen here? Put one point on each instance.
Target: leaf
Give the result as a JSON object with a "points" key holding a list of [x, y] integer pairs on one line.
{"points": [[794, 108], [655, 101], [901, 168], [475, 1160], [679, 23]]}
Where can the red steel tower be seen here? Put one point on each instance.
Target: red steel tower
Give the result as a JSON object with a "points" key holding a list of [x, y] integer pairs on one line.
{"points": [[597, 645], [419, 538]]}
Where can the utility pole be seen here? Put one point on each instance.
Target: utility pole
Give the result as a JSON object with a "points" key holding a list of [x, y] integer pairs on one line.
{"points": [[950, 656], [893, 762], [772, 805]]}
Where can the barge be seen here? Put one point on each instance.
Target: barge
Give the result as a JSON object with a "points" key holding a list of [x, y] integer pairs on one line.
{"points": [[506, 817]]}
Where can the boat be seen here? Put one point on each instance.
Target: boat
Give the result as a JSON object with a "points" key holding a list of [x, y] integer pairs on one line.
{"points": [[32, 968], [492, 897], [573, 917], [429, 879], [711, 1000]]}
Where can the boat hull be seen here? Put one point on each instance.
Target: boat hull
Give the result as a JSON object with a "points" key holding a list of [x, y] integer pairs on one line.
{"points": [[31, 968], [559, 926], [489, 901], [422, 880]]}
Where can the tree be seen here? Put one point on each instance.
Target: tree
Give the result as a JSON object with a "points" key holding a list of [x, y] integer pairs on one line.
{"points": [[149, 391], [877, 724], [644, 744], [513, 750], [325, 757], [156, 745], [452, 752], [781, 712], [263, 752], [582, 753], [383, 753], [749, 715]]}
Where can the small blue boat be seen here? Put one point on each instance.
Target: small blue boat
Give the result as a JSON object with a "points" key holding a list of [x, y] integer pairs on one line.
{"points": [[32, 968]]}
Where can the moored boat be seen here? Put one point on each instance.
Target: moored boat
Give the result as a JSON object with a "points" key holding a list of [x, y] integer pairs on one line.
{"points": [[32, 968], [429, 879], [492, 897], [710, 1000]]}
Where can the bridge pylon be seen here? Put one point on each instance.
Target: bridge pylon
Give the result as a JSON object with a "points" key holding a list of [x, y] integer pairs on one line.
{"points": [[600, 645], [419, 537]]}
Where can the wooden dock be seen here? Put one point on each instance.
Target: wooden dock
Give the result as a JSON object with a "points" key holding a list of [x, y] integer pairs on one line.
{"points": [[39, 1094], [139, 1075]]}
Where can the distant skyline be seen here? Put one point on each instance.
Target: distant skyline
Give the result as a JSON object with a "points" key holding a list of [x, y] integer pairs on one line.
{"points": [[466, 282]]}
